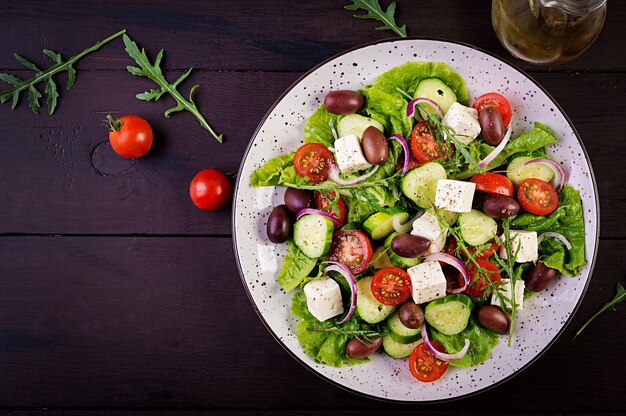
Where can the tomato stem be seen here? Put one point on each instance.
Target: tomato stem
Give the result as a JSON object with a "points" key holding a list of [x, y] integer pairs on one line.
{"points": [[114, 125]]}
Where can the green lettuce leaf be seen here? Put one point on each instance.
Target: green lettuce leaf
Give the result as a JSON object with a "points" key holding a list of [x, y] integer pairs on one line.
{"points": [[407, 76], [529, 141], [567, 220], [270, 173], [324, 347], [295, 268], [389, 109], [482, 341], [317, 128]]}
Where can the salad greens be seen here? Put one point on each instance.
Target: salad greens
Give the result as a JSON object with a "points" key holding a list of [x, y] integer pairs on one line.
{"points": [[375, 11], [45, 75], [386, 101]]}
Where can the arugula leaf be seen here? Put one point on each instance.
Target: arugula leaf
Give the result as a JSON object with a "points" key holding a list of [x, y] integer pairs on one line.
{"points": [[154, 72], [619, 297], [46, 75], [375, 11], [295, 268]]}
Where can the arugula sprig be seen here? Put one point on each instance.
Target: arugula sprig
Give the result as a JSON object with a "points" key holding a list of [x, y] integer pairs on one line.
{"points": [[363, 335], [45, 75], [155, 73], [374, 11], [620, 296]]}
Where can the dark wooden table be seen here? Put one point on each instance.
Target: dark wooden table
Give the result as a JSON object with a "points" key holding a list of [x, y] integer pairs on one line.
{"points": [[117, 293]]}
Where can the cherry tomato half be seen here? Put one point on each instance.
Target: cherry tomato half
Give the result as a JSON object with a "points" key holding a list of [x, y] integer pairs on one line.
{"points": [[130, 136], [537, 197], [391, 286], [423, 144], [478, 284], [495, 100], [210, 190], [492, 183], [424, 366], [351, 248], [312, 160], [324, 204]]}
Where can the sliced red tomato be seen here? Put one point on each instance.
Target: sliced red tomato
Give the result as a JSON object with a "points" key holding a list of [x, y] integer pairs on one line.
{"points": [[391, 286], [423, 144], [312, 160], [351, 248], [424, 366], [495, 100], [537, 197], [493, 183], [486, 250], [413, 163], [337, 208], [478, 282]]}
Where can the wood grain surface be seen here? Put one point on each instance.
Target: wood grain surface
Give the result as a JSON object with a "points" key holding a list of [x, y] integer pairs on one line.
{"points": [[117, 294]]}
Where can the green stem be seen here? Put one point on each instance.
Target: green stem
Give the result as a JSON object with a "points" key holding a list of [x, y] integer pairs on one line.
{"points": [[114, 125], [193, 110], [60, 66]]}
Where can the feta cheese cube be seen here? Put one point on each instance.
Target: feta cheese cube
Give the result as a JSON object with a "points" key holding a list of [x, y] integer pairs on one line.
{"points": [[323, 298], [428, 227], [525, 242], [455, 196], [349, 154], [464, 121], [429, 282], [505, 290]]}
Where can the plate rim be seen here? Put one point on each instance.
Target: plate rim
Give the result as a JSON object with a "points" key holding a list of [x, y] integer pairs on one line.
{"points": [[513, 66]]}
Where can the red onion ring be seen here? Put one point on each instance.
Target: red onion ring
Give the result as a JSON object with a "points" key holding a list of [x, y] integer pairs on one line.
{"points": [[333, 175], [405, 148], [407, 226], [442, 355], [454, 262], [495, 152], [410, 109], [345, 272], [560, 175], [558, 236], [338, 223]]}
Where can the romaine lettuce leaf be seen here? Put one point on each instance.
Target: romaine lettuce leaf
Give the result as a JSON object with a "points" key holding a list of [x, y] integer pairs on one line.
{"points": [[325, 347], [317, 128], [482, 341], [296, 266], [270, 173], [567, 220], [389, 109]]}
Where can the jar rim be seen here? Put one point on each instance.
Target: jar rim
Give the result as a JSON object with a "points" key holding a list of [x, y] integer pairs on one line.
{"points": [[578, 7]]}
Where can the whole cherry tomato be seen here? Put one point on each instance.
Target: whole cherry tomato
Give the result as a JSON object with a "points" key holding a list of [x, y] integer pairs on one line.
{"points": [[130, 136], [210, 190]]}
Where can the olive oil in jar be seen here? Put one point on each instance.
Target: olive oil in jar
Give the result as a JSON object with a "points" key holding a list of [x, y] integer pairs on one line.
{"points": [[547, 32]]}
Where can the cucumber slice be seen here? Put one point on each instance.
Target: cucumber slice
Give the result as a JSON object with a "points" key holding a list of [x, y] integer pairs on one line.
{"points": [[367, 307], [420, 184], [395, 349], [356, 124], [477, 228], [449, 217], [380, 225], [436, 90], [449, 315], [401, 333], [380, 259], [313, 235], [402, 262], [518, 175]]}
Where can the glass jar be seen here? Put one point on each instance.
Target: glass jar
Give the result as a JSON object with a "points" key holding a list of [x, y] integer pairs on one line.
{"points": [[547, 32]]}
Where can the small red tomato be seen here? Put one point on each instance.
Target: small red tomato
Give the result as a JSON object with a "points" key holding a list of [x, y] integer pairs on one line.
{"points": [[130, 136], [210, 190]]}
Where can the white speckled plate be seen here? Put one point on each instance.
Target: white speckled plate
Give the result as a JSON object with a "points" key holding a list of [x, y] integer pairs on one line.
{"points": [[544, 316]]}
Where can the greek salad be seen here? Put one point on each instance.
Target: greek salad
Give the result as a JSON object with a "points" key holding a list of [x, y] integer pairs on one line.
{"points": [[416, 224]]}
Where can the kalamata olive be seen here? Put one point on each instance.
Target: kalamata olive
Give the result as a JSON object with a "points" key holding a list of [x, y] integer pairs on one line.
{"points": [[494, 318], [375, 147], [539, 277], [298, 199], [500, 206], [343, 102], [491, 125], [411, 314], [408, 245], [279, 224], [358, 350]]}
